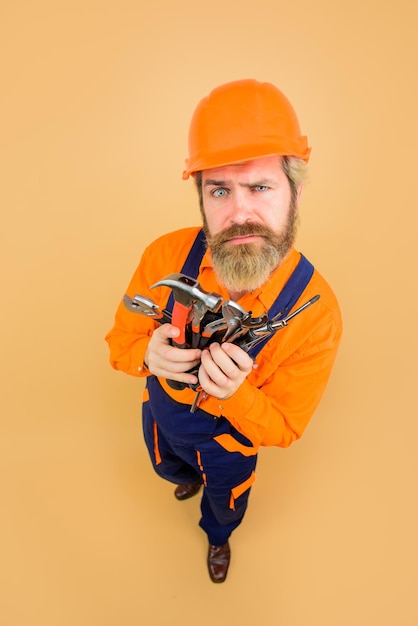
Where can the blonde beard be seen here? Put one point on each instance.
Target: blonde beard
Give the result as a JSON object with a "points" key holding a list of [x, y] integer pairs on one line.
{"points": [[246, 267]]}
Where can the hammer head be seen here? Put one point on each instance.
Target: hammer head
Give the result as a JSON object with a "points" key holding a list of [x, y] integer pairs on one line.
{"points": [[187, 291]]}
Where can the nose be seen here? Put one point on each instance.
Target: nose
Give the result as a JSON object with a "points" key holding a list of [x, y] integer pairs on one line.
{"points": [[241, 210]]}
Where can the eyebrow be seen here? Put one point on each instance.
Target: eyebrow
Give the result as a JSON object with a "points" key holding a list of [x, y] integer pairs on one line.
{"points": [[215, 183], [211, 182]]}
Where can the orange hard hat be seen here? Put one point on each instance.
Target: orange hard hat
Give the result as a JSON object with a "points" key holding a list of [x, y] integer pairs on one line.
{"points": [[243, 120]]}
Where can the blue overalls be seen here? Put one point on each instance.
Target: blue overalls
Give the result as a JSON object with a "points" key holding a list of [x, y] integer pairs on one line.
{"points": [[187, 448]]}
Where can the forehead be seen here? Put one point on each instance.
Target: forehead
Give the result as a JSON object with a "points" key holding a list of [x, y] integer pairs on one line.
{"points": [[256, 168]]}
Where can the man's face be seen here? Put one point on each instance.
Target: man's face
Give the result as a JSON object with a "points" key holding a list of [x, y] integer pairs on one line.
{"points": [[249, 220]]}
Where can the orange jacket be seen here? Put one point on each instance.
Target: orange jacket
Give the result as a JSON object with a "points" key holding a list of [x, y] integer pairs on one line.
{"points": [[276, 401]]}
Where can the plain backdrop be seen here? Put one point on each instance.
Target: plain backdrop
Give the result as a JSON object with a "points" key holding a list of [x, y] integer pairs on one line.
{"points": [[95, 102]]}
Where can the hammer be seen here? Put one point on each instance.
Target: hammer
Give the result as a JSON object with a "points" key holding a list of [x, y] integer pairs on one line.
{"points": [[189, 297]]}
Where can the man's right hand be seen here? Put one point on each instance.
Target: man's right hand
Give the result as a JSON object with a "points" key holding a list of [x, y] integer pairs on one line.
{"points": [[165, 360]]}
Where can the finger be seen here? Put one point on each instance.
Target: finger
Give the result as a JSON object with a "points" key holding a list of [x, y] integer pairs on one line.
{"points": [[183, 371], [233, 361], [205, 379], [182, 356], [167, 331], [215, 362], [224, 362], [213, 380], [161, 340], [239, 356], [171, 365], [182, 377]]}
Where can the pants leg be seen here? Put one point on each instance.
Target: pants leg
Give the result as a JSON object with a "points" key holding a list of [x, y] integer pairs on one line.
{"points": [[228, 480], [185, 448], [168, 461]]}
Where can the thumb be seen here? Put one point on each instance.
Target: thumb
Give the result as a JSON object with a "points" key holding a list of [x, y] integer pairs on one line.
{"points": [[169, 331]]}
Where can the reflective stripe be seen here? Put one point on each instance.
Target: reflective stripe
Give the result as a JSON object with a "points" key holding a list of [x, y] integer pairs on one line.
{"points": [[157, 454], [237, 491], [199, 462], [230, 444]]}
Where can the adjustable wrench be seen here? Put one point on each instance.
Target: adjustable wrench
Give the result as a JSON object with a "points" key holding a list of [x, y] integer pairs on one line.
{"points": [[145, 306]]}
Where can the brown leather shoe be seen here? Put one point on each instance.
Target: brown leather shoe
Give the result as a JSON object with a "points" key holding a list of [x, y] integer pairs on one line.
{"points": [[218, 562], [183, 492]]}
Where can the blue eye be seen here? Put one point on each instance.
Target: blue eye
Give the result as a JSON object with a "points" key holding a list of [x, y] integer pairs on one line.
{"points": [[219, 193], [261, 187]]}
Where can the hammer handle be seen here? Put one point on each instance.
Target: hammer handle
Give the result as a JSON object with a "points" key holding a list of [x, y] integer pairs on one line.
{"points": [[179, 318]]}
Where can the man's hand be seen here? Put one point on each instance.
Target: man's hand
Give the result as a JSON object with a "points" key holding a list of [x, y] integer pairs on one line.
{"points": [[223, 369], [164, 360]]}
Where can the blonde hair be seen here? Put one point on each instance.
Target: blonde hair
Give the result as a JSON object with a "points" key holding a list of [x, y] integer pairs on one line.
{"points": [[296, 171]]}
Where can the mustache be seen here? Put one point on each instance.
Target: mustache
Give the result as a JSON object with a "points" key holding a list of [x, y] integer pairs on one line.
{"points": [[241, 230]]}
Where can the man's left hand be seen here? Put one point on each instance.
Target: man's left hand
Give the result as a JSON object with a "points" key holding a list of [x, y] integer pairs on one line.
{"points": [[223, 369]]}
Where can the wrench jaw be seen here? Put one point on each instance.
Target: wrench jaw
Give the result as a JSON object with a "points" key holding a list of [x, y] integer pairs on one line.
{"points": [[140, 304], [233, 315], [145, 306]]}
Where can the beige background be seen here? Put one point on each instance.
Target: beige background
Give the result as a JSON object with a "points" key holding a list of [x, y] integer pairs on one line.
{"points": [[96, 98]]}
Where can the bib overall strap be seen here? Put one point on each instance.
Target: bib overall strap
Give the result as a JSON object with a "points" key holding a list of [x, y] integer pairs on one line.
{"points": [[288, 296]]}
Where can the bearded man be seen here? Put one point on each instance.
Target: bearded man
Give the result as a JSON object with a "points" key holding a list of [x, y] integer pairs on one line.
{"points": [[208, 407]]}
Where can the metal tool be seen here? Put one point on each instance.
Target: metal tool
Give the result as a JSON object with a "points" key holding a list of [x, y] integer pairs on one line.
{"points": [[219, 328], [234, 316], [247, 324], [257, 335], [145, 306], [211, 329], [188, 294], [198, 312]]}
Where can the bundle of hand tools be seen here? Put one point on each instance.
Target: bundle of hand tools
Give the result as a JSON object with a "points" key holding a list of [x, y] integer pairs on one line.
{"points": [[204, 317]]}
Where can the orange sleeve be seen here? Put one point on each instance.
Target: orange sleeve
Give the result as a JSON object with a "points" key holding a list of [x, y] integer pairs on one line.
{"points": [[129, 337]]}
